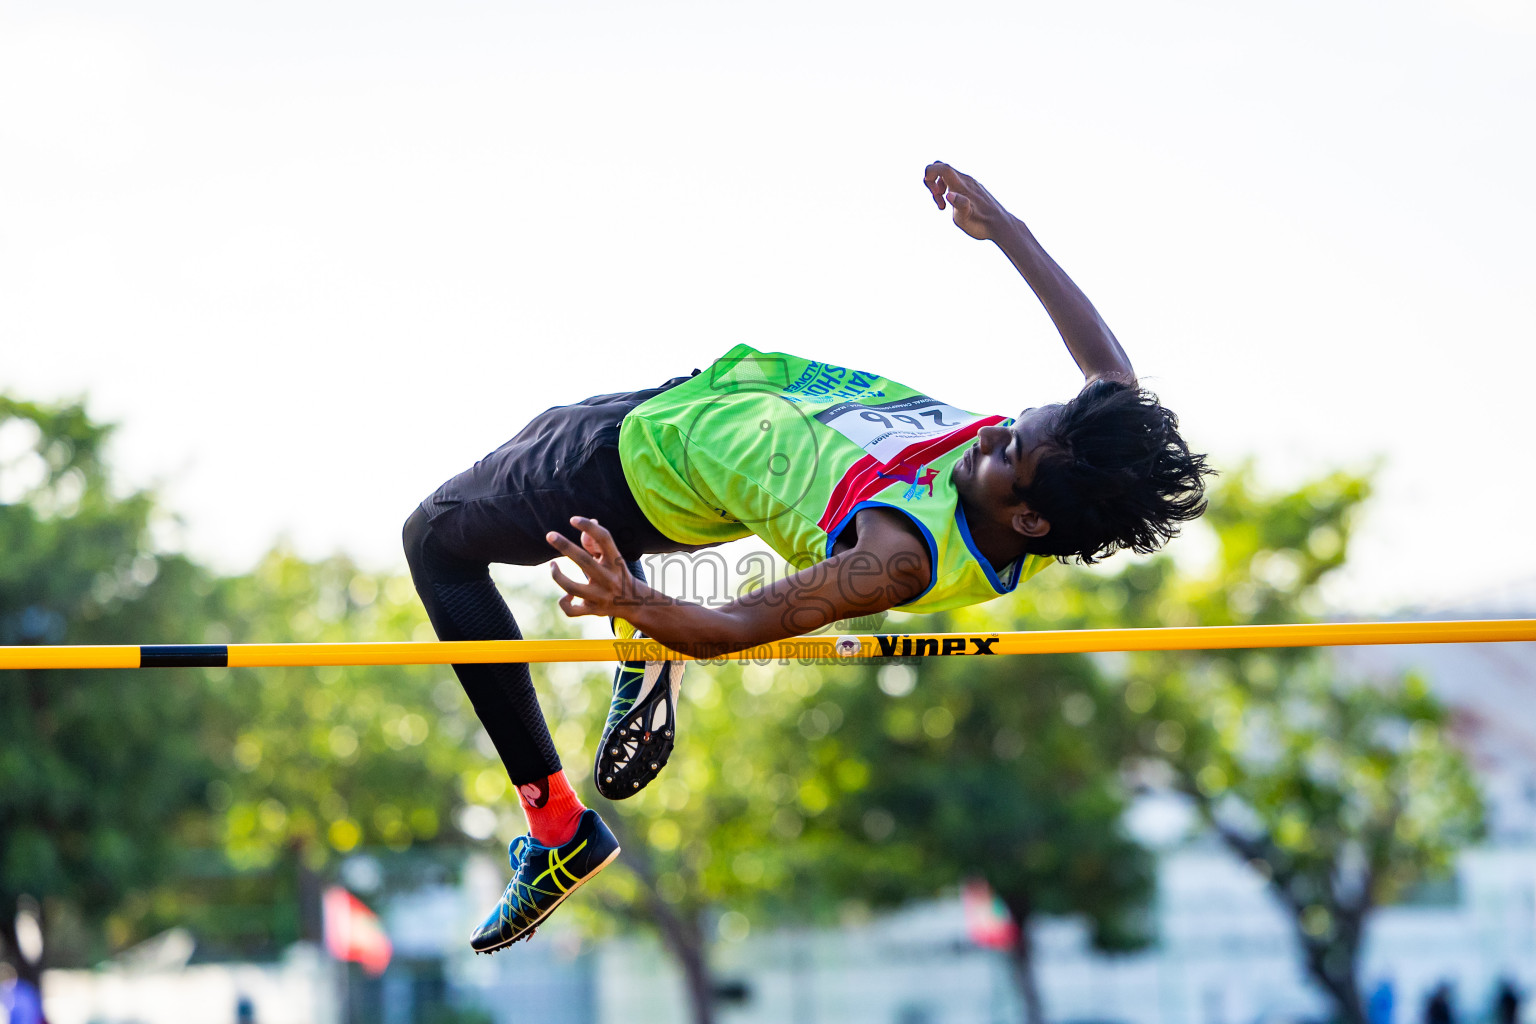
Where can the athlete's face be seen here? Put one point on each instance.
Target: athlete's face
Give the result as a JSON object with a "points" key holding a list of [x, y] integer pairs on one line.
{"points": [[1001, 459]]}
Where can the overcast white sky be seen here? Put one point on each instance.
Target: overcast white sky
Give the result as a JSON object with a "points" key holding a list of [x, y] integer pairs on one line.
{"points": [[317, 257]]}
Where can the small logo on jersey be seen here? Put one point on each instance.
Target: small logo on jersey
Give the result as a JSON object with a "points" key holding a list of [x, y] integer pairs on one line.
{"points": [[918, 479]]}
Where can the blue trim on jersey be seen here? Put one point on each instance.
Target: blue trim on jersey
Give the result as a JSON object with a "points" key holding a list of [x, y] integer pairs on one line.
{"points": [[1014, 570], [933, 548]]}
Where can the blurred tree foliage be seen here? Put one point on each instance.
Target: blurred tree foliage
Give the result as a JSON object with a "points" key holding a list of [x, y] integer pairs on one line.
{"points": [[1006, 770], [133, 800], [800, 788], [101, 774], [796, 790], [322, 762], [1342, 793], [706, 846]]}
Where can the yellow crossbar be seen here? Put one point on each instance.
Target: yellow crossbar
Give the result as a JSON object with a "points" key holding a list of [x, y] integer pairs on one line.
{"points": [[808, 648]]}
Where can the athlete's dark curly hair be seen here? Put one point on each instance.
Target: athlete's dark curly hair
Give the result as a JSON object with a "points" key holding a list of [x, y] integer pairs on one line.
{"points": [[1115, 474]]}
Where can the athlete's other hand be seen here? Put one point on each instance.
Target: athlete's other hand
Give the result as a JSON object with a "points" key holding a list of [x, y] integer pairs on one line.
{"points": [[609, 588], [974, 210]]}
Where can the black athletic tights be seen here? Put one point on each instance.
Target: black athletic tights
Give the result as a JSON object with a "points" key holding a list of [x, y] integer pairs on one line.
{"points": [[464, 604], [564, 463]]}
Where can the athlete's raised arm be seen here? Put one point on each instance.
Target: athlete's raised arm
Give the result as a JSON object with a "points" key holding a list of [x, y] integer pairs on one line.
{"points": [[975, 212], [887, 566]]}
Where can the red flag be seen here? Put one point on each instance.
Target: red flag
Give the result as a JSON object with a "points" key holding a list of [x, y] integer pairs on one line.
{"points": [[353, 932], [986, 919]]}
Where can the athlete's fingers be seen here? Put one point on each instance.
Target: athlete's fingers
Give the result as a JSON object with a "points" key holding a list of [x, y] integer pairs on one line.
{"points": [[570, 549], [934, 171], [574, 608], [593, 597], [933, 178], [570, 586], [951, 185], [597, 533], [591, 544], [948, 173]]}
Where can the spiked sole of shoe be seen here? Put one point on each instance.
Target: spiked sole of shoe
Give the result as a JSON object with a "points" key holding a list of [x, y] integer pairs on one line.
{"points": [[527, 933], [638, 746]]}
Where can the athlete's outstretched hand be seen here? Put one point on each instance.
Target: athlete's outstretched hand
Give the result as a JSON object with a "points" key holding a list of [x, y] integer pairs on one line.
{"points": [[609, 589], [975, 211]]}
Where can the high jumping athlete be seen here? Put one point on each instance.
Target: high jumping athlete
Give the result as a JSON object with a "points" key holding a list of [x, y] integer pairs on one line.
{"points": [[877, 495]]}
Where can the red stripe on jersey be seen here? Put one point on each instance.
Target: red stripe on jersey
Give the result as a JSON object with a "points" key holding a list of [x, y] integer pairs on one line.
{"points": [[862, 480]]}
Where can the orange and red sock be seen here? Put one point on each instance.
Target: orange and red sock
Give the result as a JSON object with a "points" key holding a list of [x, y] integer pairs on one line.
{"points": [[553, 809]]}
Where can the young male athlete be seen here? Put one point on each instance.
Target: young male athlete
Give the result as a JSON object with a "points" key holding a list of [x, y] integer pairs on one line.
{"points": [[878, 495]]}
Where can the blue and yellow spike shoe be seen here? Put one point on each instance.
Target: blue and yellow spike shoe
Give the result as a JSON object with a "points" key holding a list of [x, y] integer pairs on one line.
{"points": [[542, 877], [642, 723]]}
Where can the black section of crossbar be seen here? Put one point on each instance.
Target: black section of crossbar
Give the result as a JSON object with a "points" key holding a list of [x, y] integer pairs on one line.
{"points": [[184, 656]]}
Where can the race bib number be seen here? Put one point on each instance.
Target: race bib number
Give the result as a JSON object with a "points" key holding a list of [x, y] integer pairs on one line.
{"points": [[886, 430]]}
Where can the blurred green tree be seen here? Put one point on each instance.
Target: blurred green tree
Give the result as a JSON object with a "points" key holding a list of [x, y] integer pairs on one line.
{"points": [[1343, 796], [937, 772], [101, 773], [698, 864], [1342, 793], [325, 762], [710, 848], [133, 800], [802, 787]]}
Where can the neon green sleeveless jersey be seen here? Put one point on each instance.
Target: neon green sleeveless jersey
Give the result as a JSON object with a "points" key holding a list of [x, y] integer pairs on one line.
{"points": [[790, 449]]}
